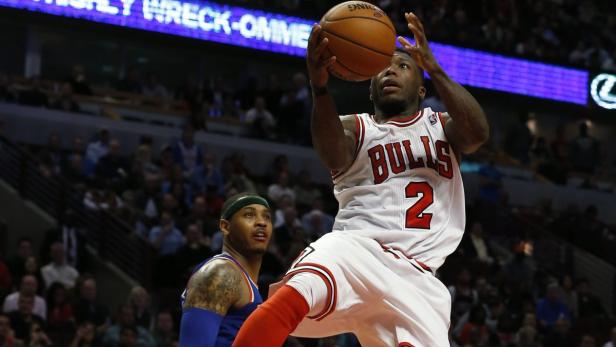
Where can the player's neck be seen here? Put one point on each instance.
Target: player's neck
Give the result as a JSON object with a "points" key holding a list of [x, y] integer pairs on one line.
{"points": [[381, 117], [250, 264]]}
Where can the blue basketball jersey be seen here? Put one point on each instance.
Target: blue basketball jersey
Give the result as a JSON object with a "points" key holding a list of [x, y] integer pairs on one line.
{"points": [[234, 319]]}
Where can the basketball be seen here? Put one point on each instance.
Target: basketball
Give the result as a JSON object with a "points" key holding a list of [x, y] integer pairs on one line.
{"points": [[361, 36]]}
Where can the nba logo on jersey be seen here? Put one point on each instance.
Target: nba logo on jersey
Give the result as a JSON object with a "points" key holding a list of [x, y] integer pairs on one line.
{"points": [[432, 119]]}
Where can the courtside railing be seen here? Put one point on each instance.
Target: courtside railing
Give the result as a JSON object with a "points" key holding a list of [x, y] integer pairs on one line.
{"points": [[114, 240]]}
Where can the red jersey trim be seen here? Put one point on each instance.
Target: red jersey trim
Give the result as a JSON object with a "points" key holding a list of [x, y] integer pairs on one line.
{"points": [[359, 141], [330, 283], [404, 122]]}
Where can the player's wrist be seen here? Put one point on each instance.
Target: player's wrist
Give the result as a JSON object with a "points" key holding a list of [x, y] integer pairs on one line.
{"points": [[319, 90]]}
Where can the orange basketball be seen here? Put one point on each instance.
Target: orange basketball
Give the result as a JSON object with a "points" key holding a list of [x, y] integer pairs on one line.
{"points": [[362, 38]]}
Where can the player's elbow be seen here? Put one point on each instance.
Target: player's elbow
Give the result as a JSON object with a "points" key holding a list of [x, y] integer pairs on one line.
{"points": [[478, 139], [335, 161]]}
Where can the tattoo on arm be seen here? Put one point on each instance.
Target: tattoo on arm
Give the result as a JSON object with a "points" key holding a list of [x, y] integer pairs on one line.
{"points": [[215, 287]]}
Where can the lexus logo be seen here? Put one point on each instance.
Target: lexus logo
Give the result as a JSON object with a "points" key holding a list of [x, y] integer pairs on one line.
{"points": [[603, 91]]}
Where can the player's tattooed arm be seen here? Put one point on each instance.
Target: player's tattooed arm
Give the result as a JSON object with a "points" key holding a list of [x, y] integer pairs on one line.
{"points": [[215, 287]]}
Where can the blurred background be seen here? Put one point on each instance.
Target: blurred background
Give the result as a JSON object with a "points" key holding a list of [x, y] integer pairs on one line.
{"points": [[119, 119]]}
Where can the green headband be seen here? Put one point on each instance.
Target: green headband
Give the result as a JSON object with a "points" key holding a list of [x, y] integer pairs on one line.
{"points": [[243, 202]]}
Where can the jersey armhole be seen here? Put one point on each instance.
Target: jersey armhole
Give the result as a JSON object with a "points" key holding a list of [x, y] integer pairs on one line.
{"points": [[359, 141], [442, 119]]}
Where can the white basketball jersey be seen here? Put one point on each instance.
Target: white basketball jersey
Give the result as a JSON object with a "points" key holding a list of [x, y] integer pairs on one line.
{"points": [[404, 188]]}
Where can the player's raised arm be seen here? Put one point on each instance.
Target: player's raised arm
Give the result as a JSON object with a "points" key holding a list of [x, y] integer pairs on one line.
{"points": [[468, 128], [333, 139], [210, 293]]}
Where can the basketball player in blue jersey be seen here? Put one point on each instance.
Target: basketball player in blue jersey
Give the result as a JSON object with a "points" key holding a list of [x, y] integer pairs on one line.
{"points": [[221, 293]]}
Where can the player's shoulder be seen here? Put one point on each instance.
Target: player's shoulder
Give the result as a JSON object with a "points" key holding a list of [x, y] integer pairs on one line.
{"points": [[216, 268], [216, 286], [351, 121]]}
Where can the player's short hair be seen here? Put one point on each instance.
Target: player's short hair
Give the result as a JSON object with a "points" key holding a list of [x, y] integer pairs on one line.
{"points": [[238, 201], [419, 69]]}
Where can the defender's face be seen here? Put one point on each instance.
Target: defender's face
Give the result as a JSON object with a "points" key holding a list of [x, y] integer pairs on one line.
{"points": [[399, 83], [249, 229]]}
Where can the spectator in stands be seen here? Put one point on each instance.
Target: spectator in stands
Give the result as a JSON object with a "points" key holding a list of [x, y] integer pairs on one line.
{"points": [[193, 252], [612, 341], [51, 156], [186, 152], [115, 335], [85, 336], [260, 121], [38, 337], [285, 233], [324, 222], [463, 295], [7, 337], [58, 270], [79, 82], [527, 337], [475, 331], [206, 174], [139, 299], [588, 303], [131, 82], [518, 139], [65, 100], [96, 150], [28, 287], [32, 268], [99, 197], [551, 308], [276, 190], [305, 191], [164, 331], [34, 94], [475, 246], [165, 237], [60, 321], [154, 91], [23, 319], [200, 214], [112, 166], [295, 110], [584, 151], [315, 224], [16, 263], [68, 233], [86, 308]]}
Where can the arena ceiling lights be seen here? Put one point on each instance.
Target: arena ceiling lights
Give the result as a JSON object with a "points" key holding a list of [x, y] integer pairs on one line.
{"points": [[288, 35]]}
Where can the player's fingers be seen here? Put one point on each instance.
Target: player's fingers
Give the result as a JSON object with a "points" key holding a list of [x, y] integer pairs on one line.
{"points": [[416, 34], [416, 21], [314, 36], [404, 42], [321, 47], [417, 28], [323, 63]]}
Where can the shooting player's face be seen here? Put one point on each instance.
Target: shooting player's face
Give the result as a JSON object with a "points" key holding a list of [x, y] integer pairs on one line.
{"points": [[398, 85], [249, 230]]}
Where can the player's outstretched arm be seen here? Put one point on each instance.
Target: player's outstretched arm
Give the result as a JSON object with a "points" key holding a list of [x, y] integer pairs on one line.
{"points": [[332, 139], [468, 128], [210, 293]]}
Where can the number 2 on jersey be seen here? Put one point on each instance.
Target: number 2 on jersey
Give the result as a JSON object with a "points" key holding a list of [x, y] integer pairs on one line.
{"points": [[415, 216]]}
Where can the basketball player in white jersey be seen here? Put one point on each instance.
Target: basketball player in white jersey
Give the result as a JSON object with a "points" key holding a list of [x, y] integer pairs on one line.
{"points": [[397, 179]]}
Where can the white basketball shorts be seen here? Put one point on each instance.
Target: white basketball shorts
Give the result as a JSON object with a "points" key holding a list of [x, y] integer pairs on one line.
{"points": [[382, 296]]}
